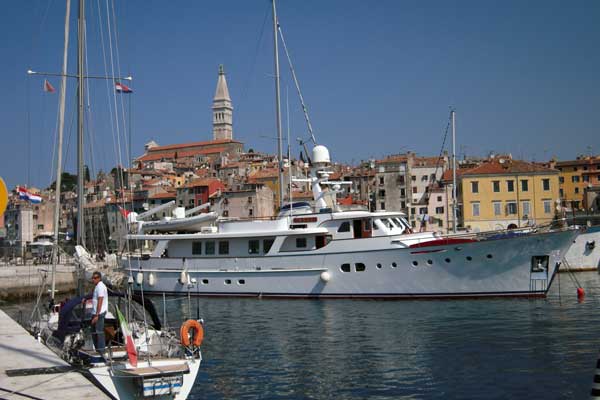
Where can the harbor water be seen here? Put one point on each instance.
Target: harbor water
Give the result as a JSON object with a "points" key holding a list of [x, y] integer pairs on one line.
{"points": [[357, 349]]}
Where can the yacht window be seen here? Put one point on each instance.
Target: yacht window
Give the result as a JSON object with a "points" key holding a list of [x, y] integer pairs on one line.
{"points": [[300, 242], [388, 224], [209, 248], [267, 243], [404, 222], [399, 223], [375, 227], [360, 267], [345, 267], [196, 248], [224, 247], [322, 240], [253, 246], [344, 227]]}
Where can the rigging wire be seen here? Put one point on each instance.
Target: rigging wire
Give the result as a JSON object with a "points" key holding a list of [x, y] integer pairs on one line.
{"points": [[293, 71], [437, 163], [246, 86], [117, 126]]}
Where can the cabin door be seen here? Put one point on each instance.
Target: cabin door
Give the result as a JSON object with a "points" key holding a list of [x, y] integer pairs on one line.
{"points": [[362, 228]]}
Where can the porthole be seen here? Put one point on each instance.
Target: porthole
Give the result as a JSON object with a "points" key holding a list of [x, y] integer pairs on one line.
{"points": [[228, 281], [241, 281], [469, 258], [489, 256], [429, 262], [447, 260], [345, 268], [415, 263], [394, 265], [205, 281], [378, 266], [360, 267]]}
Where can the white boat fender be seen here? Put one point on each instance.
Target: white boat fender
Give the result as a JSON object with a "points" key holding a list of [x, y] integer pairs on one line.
{"points": [[183, 278], [130, 280], [139, 278], [325, 276], [151, 279]]}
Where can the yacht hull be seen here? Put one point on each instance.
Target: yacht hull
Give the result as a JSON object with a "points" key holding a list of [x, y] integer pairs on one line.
{"points": [[509, 266]]}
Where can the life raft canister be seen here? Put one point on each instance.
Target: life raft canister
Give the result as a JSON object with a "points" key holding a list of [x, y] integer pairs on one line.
{"points": [[185, 333]]}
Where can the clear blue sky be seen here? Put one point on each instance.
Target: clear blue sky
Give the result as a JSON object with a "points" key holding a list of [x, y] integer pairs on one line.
{"points": [[378, 76]]}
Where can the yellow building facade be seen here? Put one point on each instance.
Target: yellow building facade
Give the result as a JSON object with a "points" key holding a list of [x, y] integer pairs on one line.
{"points": [[575, 176], [505, 194]]}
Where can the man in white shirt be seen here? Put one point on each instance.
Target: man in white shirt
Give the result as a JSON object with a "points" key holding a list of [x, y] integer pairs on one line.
{"points": [[100, 307]]}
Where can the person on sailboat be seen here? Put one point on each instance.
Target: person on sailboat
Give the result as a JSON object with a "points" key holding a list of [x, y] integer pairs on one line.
{"points": [[100, 307]]}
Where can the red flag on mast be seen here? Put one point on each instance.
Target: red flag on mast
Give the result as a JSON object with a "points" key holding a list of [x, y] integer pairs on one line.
{"points": [[48, 87]]}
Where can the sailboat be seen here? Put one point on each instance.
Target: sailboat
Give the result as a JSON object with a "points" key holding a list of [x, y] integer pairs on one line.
{"points": [[325, 252], [144, 359]]}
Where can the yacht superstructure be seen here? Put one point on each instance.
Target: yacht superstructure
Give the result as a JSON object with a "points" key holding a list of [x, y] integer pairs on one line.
{"points": [[327, 252]]}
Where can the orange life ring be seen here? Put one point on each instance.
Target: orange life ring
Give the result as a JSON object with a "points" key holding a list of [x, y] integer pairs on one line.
{"points": [[185, 333]]}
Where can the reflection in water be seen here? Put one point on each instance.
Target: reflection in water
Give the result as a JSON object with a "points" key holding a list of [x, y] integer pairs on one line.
{"points": [[466, 349]]}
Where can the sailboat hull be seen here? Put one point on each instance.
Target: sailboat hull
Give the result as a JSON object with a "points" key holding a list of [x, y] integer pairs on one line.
{"points": [[122, 386]]}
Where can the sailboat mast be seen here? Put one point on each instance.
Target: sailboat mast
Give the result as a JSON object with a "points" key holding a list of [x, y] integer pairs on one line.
{"points": [[453, 171], [80, 121], [61, 125], [278, 106]]}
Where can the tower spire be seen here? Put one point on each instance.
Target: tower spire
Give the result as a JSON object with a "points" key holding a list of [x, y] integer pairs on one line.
{"points": [[222, 109]]}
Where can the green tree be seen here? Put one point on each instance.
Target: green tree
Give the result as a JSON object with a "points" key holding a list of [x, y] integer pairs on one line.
{"points": [[68, 182]]}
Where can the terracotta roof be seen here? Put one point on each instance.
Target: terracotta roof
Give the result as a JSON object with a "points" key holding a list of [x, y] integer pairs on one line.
{"points": [[264, 173], [181, 154], [585, 161], [235, 164], [192, 144], [447, 176], [202, 182], [164, 195], [496, 167], [398, 158], [151, 182], [428, 161]]}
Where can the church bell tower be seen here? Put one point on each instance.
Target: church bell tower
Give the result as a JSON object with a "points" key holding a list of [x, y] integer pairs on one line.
{"points": [[222, 110]]}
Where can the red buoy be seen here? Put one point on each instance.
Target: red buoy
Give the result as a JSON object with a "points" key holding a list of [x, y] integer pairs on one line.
{"points": [[580, 293]]}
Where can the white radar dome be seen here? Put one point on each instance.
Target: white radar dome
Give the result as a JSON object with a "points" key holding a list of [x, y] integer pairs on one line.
{"points": [[320, 154]]}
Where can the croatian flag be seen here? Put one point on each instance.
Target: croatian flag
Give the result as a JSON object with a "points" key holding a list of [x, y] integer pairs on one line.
{"points": [[24, 194], [34, 198], [121, 88]]}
